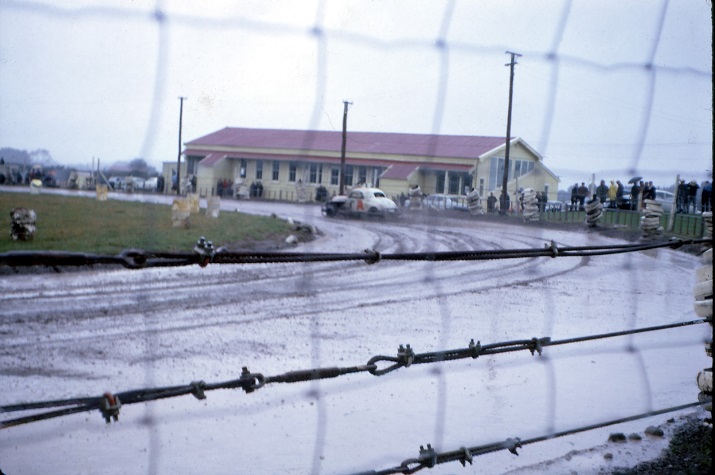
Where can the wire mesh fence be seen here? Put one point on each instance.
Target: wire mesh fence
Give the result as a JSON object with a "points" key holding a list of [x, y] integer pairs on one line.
{"points": [[156, 332]]}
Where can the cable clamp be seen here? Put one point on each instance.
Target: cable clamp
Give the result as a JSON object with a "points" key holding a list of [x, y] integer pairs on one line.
{"points": [[197, 389], [109, 405], [537, 344], [206, 251], [512, 444], [553, 248], [475, 349], [466, 456], [427, 457], [373, 256], [405, 355], [249, 382]]}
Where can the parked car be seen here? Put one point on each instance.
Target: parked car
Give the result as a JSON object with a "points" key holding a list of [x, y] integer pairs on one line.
{"points": [[441, 203], [116, 182], [665, 198], [151, 183], [133, 183]]}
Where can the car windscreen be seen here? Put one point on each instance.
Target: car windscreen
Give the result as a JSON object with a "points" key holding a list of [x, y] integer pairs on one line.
{"points": [[380, 195]]}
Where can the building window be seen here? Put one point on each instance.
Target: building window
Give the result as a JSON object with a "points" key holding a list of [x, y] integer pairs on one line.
{"points": [[362, 175], [259, 169], [348, 179], [315, 174], [522, 167], [334, 176], [454, 179], [292, 171], [275, 174], [439, 182], [496, 173], [242, 171]]}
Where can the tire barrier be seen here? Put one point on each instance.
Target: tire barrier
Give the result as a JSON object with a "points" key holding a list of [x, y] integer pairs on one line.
{"points": [[703, 294], [531, 205], [35, 186], [23, 224], [213, 206], [708, 221], [474, 203], [193, 199], [180, 213], [415, 196], [102, 192], [594, 211], [650, 219]]}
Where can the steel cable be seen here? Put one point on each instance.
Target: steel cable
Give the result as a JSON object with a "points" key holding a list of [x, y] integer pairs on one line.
{"points": [[138, 259], [250, 382], [428, 457]]}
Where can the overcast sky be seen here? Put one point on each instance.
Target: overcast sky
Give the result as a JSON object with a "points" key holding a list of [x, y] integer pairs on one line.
{"points": [[102, 79]]}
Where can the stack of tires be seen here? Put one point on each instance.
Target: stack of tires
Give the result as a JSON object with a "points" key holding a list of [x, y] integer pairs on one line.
{"points": [[531, 205], [474, 203], [650, 219], [594, 211], [703, 304], [23, 224]]}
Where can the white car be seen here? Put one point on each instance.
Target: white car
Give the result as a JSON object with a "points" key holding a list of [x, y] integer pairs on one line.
{"points": [[665, 198], [371, 202]]}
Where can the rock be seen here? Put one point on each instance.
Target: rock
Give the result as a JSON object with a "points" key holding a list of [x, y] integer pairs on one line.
{"points": [[617, 437], [654, 431]]}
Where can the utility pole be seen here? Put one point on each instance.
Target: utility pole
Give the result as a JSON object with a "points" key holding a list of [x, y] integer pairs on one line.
{"points": [[178, 160], [342, 149], [505, 195]]}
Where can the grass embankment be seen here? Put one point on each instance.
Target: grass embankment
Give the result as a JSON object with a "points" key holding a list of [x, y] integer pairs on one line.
{"points": [[78, 224]]}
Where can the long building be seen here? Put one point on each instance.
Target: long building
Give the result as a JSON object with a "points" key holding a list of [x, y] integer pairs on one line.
{"points": [[292, 164]]}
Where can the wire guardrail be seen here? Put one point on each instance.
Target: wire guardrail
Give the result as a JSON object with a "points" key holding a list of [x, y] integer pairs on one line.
{"points": [[205, 253], [379, 365], [429, 458]]}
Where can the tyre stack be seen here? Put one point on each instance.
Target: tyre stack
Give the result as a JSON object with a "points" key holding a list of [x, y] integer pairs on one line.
{"points": [[650, 219], [531, 205], [594, 211], [23, 224], [474, 203], [703, 294], [708, 222]]}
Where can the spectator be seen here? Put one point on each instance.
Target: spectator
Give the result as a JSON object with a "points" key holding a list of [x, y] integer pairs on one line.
{"points": [[612, 194], [692, 194], [582, 194], [682, 196], [635, 194], [706, 197], [504, 203], [574, 196], [491, 203], [619, 192], [646, 191], [602, 192]]}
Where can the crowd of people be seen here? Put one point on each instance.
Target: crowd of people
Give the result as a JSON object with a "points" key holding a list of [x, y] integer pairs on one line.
{"points": [[614, 195]]}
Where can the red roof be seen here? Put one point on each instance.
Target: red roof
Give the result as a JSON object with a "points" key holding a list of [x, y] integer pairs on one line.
{"points": [[423, 145]]}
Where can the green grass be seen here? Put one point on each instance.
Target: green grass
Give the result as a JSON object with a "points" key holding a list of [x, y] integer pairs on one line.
{"points": [[69, 223]]}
